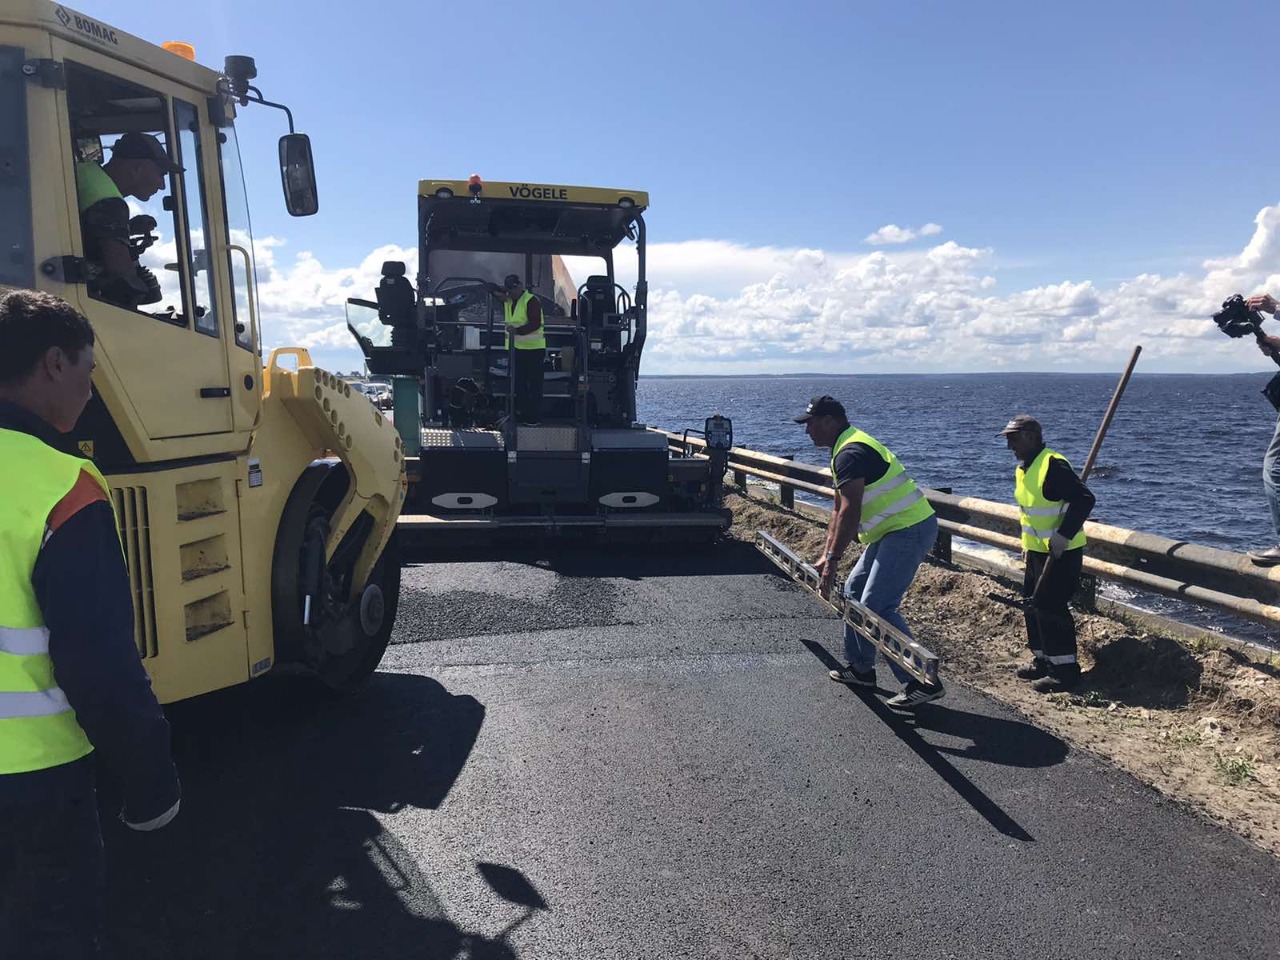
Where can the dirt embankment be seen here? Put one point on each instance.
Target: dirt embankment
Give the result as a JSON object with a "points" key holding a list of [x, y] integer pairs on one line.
{"points": [[1199, 722]]}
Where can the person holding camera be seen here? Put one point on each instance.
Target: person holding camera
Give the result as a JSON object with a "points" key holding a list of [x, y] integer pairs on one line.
{"points": [[1269, 345]]}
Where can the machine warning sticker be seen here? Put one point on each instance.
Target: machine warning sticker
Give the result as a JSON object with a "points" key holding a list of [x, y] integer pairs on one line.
{"points": [[86, 447], [255, 472]]}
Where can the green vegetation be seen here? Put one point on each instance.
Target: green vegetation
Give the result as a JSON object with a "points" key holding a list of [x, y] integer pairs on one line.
{"points": [[1234, 770]]}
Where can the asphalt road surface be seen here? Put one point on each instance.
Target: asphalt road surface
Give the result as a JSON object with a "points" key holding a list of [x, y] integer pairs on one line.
{"points": [[621, 755]]}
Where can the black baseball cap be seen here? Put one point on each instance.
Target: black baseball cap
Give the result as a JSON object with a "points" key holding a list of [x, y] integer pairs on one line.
{"points": [[143, 146], [512, 281], [1022, 423], [821, 407]]}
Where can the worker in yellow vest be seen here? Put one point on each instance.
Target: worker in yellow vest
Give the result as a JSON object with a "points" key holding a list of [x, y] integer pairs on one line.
{"points": [[878, 504], [1053, 504], [71, 681], [522, 317], [137, 168]]}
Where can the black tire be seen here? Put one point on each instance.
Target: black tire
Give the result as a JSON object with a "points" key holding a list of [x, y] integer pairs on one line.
{"points": [[318, 490], [344, 673]]}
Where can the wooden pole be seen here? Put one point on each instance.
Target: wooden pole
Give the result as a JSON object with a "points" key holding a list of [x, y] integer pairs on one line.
{"points": [[1093, 455]]}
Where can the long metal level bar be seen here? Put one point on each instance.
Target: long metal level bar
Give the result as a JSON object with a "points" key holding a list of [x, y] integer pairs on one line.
{"points": [[916, 659]]}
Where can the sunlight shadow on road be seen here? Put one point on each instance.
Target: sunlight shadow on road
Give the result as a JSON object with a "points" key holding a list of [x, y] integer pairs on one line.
{"points": [[994, 740], [283, 846]]}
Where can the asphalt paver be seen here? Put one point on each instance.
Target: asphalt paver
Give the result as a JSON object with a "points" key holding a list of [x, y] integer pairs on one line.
{"points": [[623, 754]]}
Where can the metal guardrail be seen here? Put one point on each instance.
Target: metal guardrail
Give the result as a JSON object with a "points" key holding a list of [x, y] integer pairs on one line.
{"points": [[1177, 568], [916, 659]]}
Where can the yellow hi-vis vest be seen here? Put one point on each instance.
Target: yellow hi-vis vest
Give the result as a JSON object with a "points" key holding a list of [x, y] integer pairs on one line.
{"points": [[38, 727], [517, 315], [1040, 517], [893, 502], [94, 184]]}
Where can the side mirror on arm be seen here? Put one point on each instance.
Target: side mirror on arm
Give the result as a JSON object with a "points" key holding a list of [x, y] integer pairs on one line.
{"points": [[298, 174]]}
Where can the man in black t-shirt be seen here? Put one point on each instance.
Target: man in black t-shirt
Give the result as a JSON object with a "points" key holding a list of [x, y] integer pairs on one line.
{"points": [[1053, 504], [877, 503]]}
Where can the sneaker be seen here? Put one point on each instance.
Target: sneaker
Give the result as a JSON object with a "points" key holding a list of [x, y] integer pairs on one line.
{"points": [[1037, 668], [1265, 558], [1058, 682], [854, 678], [916, 693]]}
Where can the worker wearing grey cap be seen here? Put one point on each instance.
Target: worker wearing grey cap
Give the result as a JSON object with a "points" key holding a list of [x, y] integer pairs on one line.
{"points": [[1053, 503], [877, 503], [137, 168]]}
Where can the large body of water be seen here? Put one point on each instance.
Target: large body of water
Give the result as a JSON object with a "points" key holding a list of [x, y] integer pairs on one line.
{"points": [[1182, 458]]}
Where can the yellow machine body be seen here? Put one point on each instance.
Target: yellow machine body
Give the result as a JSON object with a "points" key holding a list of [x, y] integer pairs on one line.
{"points": [[202, 442]]}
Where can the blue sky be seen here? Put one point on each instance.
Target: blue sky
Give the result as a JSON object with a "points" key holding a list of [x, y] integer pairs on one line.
{"points": [[1078, 165]]}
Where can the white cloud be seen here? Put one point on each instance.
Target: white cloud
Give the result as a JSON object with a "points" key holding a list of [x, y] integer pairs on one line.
{"points": [[891, 233], [719, 307]]}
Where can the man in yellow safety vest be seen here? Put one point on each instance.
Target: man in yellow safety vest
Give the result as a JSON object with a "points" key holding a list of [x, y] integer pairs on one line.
{"points": [[522, 316], [137, 168], [1053, 504], [71, 681], [877, 503]]}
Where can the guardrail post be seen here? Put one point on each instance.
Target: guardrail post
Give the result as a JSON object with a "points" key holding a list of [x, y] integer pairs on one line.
{"points": [[740, 479], [1086, 596], [942, 545], [786, 492]]}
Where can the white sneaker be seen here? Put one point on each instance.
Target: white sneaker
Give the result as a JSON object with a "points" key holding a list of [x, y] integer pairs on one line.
{"points": [[916, 693]]}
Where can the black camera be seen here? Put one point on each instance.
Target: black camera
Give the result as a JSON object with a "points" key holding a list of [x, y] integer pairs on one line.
{"points": [[1235, 319]]}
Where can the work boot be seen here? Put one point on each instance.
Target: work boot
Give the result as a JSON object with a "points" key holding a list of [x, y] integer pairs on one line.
{"points": [[1037, 668], [1265, 558], [1059, 679]]}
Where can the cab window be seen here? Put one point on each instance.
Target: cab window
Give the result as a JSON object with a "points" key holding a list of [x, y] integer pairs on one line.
{"points": [[18, 268], [196, 208], [129, 218]]}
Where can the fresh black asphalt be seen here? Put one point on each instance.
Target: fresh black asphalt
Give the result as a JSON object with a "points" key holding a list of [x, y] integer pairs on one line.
{"points": [[621, 754]]}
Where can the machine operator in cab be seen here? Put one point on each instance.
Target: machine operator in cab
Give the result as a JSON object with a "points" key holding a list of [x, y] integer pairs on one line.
{"points": [[522, 314], [137, 168]]}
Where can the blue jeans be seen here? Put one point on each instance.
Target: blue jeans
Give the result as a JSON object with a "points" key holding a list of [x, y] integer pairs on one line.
{"points": [[879, 579], [1271, 480]]}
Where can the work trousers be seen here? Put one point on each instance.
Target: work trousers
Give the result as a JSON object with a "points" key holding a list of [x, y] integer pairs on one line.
{"points": [[1051, 632], [527, 383], [878, 581], [1271, 480], [51, 864]]}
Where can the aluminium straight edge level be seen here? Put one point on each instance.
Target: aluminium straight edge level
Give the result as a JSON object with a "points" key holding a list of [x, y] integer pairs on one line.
{"points": [[917, 660]]}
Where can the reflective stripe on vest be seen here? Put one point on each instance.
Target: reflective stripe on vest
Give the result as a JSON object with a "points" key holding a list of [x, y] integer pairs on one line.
{"points": [[93, 185], [517, 315], [38, 727], [893, 502], [1039, 516]]}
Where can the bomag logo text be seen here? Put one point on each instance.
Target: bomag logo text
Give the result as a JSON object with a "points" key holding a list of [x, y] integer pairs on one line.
{"points": [[526, 192], [90, 28]]}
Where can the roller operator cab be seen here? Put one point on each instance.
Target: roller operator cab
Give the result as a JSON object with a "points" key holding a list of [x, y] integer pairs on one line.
{"points": [[257, 501], [477, 464]]}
